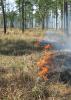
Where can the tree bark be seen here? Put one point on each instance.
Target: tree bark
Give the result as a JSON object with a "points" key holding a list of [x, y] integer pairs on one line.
{"points": [[61, 19], [23, 20], [20, 11], [66, 17], [25, 17], [43, 23], [4, 16], [47, 22], [56, 16]]}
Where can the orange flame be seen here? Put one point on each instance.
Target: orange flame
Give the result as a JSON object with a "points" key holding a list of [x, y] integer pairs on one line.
{"points": [[43, 72], [48, 46], [47, 59], [42, 62]]}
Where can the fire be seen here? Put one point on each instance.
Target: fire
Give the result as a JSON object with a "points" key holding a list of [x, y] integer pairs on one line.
{"points": [[37, 43], [48, 46], [42, 64], [43, 72]]}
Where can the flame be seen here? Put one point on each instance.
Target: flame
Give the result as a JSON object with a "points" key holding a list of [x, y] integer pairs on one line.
{"points": [[43, 72], [46, 60], [48, 46], [37, 43], [42, 62]]}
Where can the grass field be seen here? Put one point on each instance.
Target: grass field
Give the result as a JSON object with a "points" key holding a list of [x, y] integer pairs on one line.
{"points": [[18, 69]]}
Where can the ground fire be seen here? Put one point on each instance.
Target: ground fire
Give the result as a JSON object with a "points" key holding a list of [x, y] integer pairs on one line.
{"points": [[48, 46], [44, 62]]}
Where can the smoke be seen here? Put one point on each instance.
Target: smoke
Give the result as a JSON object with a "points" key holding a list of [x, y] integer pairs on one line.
{"points": [[67, 43], [59, 41]]}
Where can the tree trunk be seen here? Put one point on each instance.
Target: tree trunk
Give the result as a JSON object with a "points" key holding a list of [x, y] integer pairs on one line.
{"points": [[25, 19], [23, 23], [61, 19], [47, 22], [32, 20], [20, 12], [66, 17], [56, 16], [43, 23], [4, 16], [19, 7]]}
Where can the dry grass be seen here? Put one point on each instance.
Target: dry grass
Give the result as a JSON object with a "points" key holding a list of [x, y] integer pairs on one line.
{"points": [[16, 84], [18, 69]]}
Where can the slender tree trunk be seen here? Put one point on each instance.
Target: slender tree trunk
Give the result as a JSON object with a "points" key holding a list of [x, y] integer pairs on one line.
{"points": [[25, 17], [52, 20], [47, 22], [32, 19], [70, 9], [29, 20], [20, 12], [23, 20], [61, 19], [4, 16], [56, 22], [56, 16], [19, 7], [66, 17], [43, 23]]}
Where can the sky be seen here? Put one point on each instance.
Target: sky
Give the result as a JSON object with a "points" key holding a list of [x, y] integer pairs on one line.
{"points": [[12, 1], [11, 4]]}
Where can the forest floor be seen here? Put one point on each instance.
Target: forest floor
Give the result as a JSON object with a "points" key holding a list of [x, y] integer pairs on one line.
{"points": [[18, 69]]}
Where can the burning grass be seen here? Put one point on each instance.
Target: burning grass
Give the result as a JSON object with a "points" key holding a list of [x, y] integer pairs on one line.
{"points": [[18, 69]]}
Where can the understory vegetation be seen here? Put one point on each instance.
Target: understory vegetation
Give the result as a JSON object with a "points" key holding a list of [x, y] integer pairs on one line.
{"points": [[18, 69]]}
